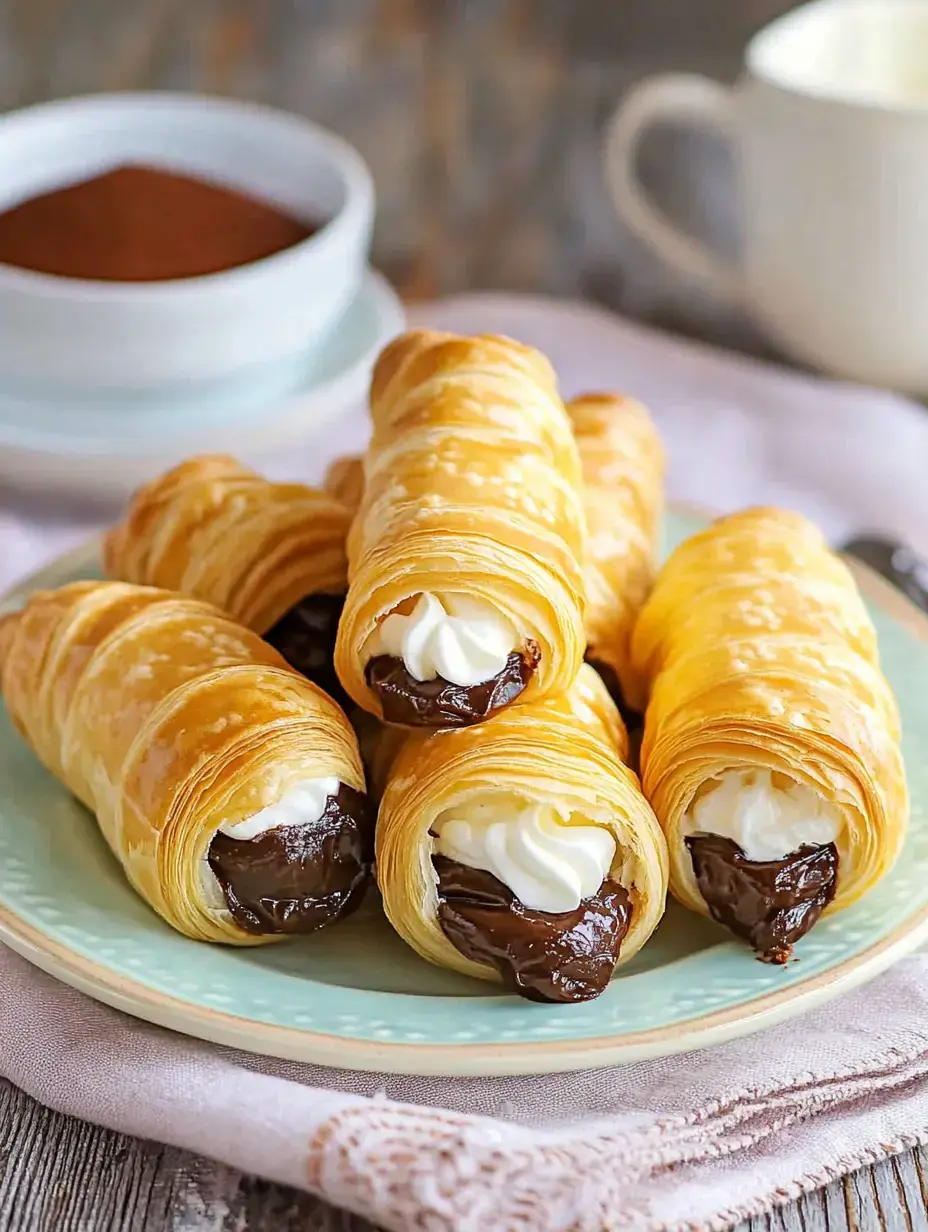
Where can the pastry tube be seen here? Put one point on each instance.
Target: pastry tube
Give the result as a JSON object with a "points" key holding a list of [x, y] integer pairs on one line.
{"points": [[466, 586], [272, 555], [344, 480], [522, 849], [229, 788], [771, 745], [623, 471]]}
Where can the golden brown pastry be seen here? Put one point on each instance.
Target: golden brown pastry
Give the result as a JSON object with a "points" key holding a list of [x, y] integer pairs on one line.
{"points": [[272, 555], [623, 471], [522, 849], [771, 746], [344, 479], [466, 585], [229, 788]]}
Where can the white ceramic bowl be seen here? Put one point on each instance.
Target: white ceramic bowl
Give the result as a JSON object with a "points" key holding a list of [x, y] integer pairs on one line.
{"points": [[89, 453], [73, 339]]}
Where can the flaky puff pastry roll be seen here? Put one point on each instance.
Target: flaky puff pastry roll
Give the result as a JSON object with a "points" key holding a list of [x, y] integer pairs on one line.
{"points": [[771, 746], [272, 555], [344, 480], [466, 586], [623, 472], [229, 788], [523, 849]]}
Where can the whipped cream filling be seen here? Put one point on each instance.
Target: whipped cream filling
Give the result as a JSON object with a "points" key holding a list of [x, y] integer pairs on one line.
{"points": [[768, 817], [303, 804], [549, 863], [464, 640]]}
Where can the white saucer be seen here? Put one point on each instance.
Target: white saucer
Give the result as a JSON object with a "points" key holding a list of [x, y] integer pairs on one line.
{"points": [[97, 450]]}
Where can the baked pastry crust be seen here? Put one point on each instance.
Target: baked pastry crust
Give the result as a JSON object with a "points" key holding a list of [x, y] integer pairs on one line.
{"points": [[166, 719], [344, 480], [623, 473], [218, 531], [565, 750], [760, 654], [472, 486]]}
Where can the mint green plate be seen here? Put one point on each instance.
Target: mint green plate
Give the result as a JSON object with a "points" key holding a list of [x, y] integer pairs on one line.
{"points": [[357, 997]]}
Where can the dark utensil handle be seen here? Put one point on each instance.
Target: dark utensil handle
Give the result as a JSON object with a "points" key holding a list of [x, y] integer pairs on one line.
{"points": [[895, 562]]}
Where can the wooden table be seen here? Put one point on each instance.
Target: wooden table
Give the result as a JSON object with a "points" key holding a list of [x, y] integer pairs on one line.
{"points": [[481, 121]]}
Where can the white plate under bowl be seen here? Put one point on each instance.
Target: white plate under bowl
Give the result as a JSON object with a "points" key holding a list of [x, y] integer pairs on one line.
{"points": [[89, 452]]}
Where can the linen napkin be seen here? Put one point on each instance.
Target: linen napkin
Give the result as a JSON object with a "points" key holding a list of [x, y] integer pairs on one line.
{"points": [[698, 1141]]}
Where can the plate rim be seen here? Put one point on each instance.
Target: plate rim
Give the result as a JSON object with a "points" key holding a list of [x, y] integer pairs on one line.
{"points": [[461, 1059]]}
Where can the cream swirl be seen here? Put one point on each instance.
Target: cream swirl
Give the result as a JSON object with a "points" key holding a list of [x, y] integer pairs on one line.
{"points": [[768, 820], [303, 804], [464, 640], [547, 862]]}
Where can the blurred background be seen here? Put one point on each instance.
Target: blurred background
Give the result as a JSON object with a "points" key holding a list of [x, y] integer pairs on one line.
{"points": [[481, 119]]}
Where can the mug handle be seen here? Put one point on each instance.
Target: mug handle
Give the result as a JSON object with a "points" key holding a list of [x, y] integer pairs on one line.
{"points": [[673, 97]]}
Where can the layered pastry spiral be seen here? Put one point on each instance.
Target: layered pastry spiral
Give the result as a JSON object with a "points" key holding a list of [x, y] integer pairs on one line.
{"points": [[272, 555], [229, 788], [522, 849], [771, 746], [466, 586], [623, 471]]}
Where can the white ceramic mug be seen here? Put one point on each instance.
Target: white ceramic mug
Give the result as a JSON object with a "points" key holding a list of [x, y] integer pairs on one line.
{"points": [[829, 121]]}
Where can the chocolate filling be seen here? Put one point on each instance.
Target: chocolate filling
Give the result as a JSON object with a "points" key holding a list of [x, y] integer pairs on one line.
{"points": [[541, 955], [295, 879], [634, 722], [768, 903], [305, 637], [438, 703]]}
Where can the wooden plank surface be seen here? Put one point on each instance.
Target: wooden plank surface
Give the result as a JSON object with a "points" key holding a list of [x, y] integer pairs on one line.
{"points": [[481, 121]]}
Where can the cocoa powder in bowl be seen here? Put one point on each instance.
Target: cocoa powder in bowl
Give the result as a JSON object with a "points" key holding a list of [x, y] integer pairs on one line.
{"points": [[144, 224]]}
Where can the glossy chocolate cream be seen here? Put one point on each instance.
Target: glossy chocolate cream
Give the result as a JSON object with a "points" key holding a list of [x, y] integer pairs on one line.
{"points": [[296, 879], [543, 956], [305, 637], [768, 903], [438, 703]]}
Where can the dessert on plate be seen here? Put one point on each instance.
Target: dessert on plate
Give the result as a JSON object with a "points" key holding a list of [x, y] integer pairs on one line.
{"points": [[229, 788], [623, 469], [272, 555], [466, 589], [771, 745], [522, 849], [485, 544]]}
